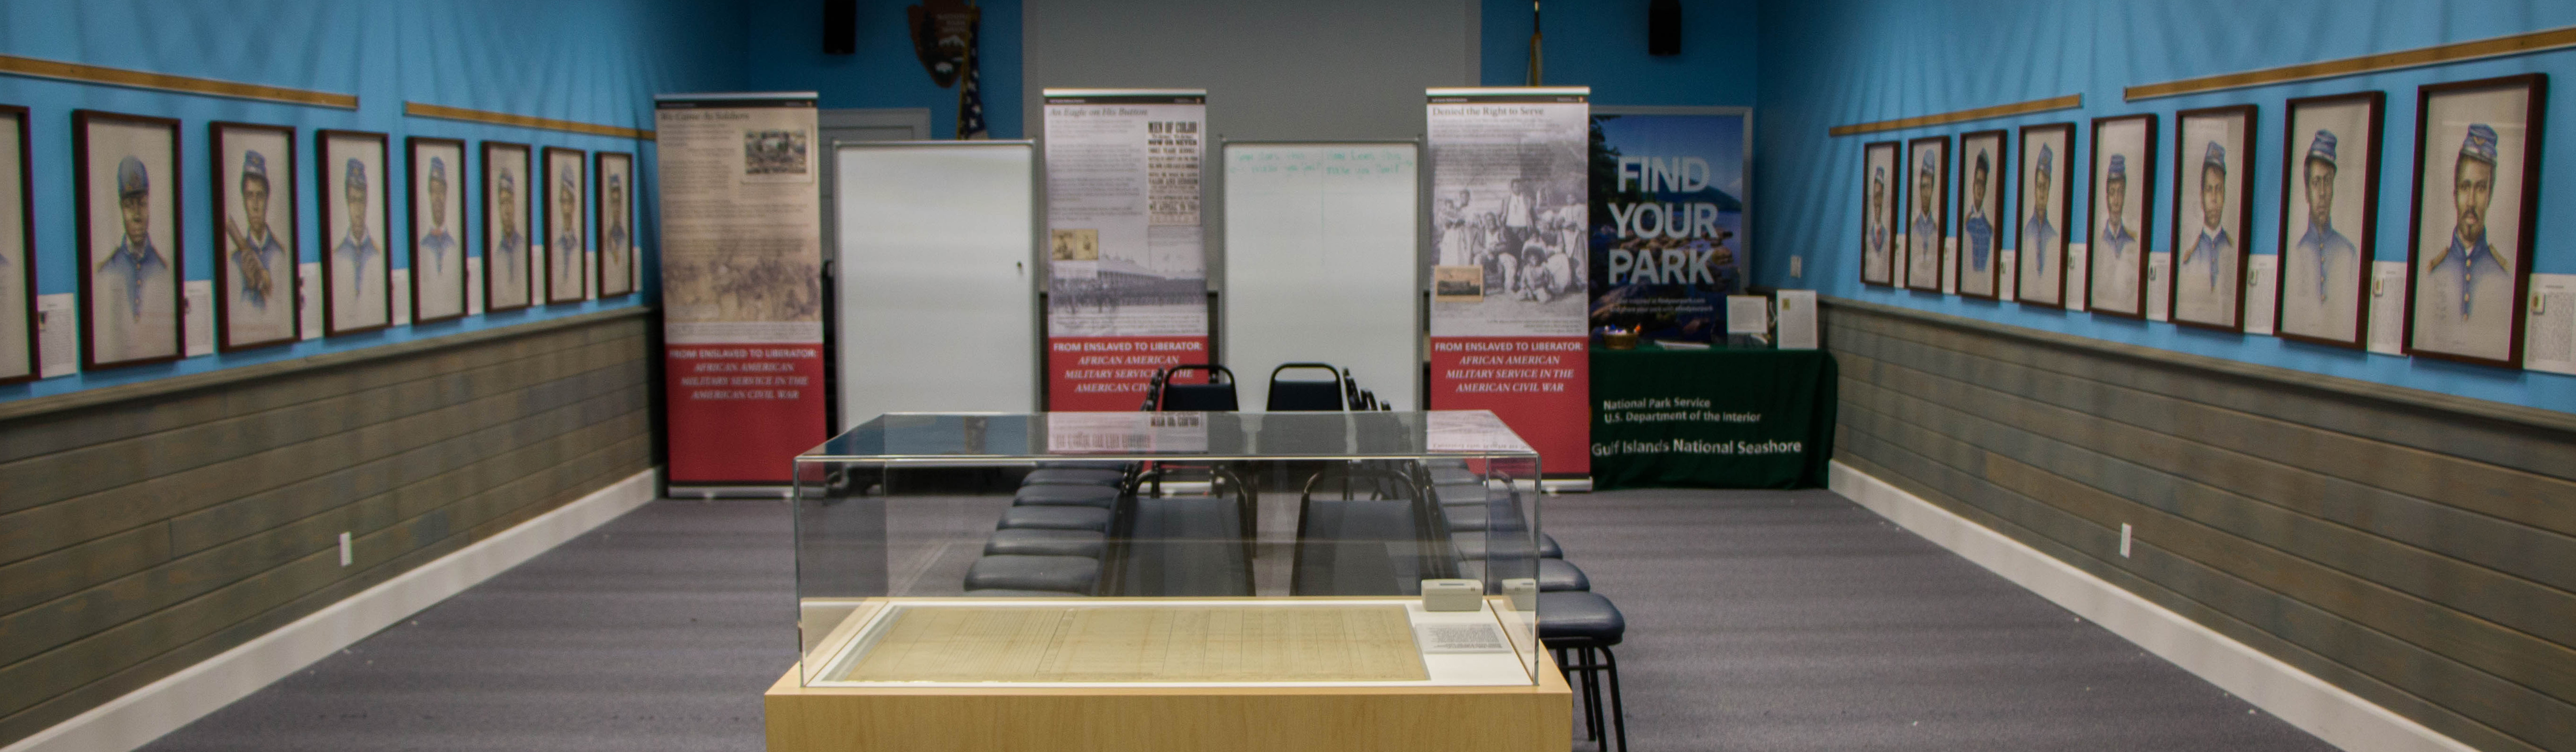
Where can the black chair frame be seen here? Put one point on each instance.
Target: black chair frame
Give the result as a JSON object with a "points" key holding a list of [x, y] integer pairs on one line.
{"points": [[1593, 660]]}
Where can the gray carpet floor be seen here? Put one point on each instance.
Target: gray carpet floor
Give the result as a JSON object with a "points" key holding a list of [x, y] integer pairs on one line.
{"points": [[1757, 621]]}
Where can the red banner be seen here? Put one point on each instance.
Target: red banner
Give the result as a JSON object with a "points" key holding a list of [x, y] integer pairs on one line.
{"points": [[1540, 386], [1104, 374], [741, 413]]}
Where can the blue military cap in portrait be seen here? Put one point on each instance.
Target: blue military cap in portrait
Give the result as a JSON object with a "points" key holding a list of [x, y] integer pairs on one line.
{"points": [[437, 168], [2480, 144], [2119, 167], [2323, 147], [2216, 156], [130, 178], [357, 180], [254, 165], [2047, 159], [509, 180], [616, 182], [569, 182]]}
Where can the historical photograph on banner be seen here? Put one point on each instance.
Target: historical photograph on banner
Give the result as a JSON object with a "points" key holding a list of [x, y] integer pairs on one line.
{"points": [[1126, 250], [2329, 220], [255, 248], [125, 169], [18, 335], [356, 278], [2477, 172], [1517, 174], [437, 179], [2124, 180], [1667, 241], [2212, 181]]}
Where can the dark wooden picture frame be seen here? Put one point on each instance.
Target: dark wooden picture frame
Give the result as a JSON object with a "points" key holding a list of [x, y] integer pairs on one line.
{"points": [[2061, 166], [506, 168], [1940, 209], [230, 264], [604, 284], [559, 259], [1994, 188], [327, 159], [2187, 179], [2146, 227], [418, 170], [2296, 142], [2535, 91], [24, 268], [90, 257], [1892, 214]]}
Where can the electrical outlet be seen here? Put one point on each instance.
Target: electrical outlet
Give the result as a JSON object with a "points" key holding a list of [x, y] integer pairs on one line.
{"points": [[346, 559], [2125, 537]]}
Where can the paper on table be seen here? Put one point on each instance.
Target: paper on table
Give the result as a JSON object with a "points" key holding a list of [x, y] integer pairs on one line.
{"points": [[2079, 259], [199, 324], [2388, 307], [2552, 345], [1748, 314], [2159, 293], [2260, 290], [57, 335], [1797, 319], [1460, 638], [1144, 644]]}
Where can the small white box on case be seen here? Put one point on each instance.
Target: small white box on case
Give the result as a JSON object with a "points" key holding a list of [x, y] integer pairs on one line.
{"points": [[1451, 595]]}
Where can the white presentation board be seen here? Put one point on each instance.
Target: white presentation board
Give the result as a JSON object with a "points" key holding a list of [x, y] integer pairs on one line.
{"points": [[936, 298], [1320, 249]]}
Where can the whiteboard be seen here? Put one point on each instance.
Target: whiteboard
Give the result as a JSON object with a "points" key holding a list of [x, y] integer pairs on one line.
{"points": [[936, 308], [1320, 249]]}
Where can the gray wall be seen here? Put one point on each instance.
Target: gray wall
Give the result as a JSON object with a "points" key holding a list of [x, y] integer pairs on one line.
{"points": [[1286, 70], [2416, 549], [148, 527]]}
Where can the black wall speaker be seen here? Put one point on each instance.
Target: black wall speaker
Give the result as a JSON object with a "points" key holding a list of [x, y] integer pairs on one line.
{"points": [[1664, 27], [840, 27]]}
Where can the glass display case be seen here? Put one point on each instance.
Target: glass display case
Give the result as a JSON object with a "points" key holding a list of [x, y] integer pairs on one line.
{"points": [[1169, 549]]}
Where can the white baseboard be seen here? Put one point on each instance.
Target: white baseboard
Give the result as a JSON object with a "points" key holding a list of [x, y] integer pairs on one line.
{"points": [[140, 716], [2332, 714]]}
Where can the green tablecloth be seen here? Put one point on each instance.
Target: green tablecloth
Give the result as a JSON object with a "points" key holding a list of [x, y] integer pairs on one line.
{"points": [[1717, 418]]}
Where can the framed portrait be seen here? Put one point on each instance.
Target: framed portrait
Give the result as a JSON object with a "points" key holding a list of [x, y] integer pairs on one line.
{"points": [[2044, 208], [1880, 175], [17, 263], [567, 280], [357, 282], [1981, 211], [436, 185], [256, 252], [614, 222], [2329, 218], [1927, 210], [2477, 181], [2119, 220], [1879, 212], [508, 283], [126, 188], [2213, 177]]}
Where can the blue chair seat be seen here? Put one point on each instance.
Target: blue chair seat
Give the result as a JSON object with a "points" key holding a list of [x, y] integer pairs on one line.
{"points": [[1040, 542], [1466, 517], [1074, 476], [1583, 618], [1556, 575], [1461, 494], [1103, 497], [1063, 574], [1472, 546], [1093, 519], [1456, 476]]}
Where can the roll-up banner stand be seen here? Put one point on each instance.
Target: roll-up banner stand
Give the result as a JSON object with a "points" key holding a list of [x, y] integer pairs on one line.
{"points": [[1126, 250], [1509, 196], [742, 310]]}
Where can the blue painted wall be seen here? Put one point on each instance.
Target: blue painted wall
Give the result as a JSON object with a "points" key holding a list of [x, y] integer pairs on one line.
{"points": [[784, 52], [594, 61], [1834, 62], [1602, 44]]}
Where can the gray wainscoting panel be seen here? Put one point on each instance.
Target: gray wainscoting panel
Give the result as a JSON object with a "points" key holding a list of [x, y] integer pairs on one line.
{"points": [[2416, 549], [151, 526]]}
